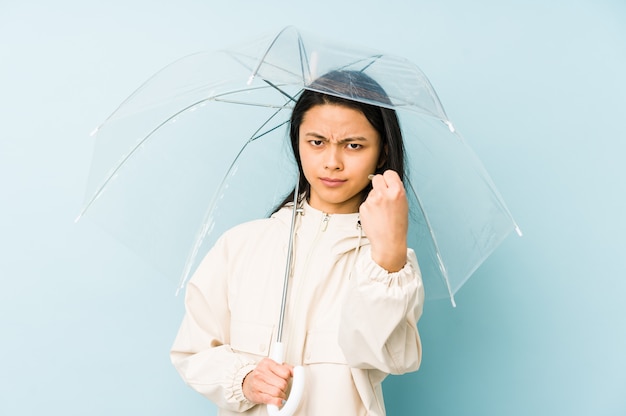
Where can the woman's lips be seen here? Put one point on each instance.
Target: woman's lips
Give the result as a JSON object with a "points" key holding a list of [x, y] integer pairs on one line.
{"points": [[332, 182]]}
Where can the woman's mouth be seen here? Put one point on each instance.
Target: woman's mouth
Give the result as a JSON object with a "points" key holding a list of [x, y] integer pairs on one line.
{"points": [[332, 182]]}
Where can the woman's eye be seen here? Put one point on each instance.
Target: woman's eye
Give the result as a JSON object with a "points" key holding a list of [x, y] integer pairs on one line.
{"points": [[354, 146], [316, 143]]}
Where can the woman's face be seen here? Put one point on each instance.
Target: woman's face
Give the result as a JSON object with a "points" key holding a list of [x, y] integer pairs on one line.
{"points": [[338, 149]]}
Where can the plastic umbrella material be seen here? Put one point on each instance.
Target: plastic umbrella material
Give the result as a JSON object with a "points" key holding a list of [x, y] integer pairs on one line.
{"points": [[202, 145]]}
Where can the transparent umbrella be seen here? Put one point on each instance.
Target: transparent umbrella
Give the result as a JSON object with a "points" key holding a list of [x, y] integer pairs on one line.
{"points": [[203, 145]]}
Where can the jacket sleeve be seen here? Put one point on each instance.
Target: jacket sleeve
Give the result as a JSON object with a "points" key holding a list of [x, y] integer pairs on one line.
{"points": [[378, 328], [201, 353]]}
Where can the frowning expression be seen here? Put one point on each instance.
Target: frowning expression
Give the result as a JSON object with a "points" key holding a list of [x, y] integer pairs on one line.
{"points": [[338, 148]]}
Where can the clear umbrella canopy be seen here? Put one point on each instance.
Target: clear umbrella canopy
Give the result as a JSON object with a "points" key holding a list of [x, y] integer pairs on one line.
{"points": [[203, 145]]}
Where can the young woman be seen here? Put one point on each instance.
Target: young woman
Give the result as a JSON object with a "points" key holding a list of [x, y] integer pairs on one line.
{"points": [[355, 294]]}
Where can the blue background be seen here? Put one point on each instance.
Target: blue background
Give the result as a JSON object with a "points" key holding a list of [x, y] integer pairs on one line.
{"points": [[537, 89]]}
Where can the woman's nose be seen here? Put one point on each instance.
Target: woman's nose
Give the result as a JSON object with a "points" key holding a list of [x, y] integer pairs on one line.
{"points": [[333, 159]]}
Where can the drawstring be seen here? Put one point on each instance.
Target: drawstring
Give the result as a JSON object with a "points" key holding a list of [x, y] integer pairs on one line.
{"points": [[357, 249]]}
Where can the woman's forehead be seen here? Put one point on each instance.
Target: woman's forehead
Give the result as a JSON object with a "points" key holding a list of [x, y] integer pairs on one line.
{"points": [[338, 123]]}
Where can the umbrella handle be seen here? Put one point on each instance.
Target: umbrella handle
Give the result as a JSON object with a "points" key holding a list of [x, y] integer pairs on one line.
{"points": [[297, 386]]}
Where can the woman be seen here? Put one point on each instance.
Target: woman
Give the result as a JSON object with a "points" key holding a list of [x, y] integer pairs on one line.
{"points": [[355, 292]]}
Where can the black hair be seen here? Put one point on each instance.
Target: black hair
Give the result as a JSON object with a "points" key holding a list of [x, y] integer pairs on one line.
{"points": [[334, 88]]}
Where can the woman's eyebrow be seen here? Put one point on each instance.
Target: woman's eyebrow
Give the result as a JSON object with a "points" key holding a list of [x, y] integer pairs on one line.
{"points": [[340, 141], [352, 139], [316, 135]]}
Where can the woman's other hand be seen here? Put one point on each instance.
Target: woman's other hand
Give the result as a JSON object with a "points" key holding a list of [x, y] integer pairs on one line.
{"points": [[268, 383]]}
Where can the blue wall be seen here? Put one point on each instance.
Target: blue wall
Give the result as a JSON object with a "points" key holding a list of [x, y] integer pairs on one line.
{"points": [[537, 89]]}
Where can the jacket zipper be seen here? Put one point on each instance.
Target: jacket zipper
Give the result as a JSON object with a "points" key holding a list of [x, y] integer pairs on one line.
{"points": [[325, 221]]}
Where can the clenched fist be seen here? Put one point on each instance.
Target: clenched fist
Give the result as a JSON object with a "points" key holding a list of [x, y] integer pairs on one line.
{"points": [[385, 220]]}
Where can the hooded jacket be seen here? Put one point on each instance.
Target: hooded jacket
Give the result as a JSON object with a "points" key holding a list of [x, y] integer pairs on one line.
{"points": [[348, 321]]}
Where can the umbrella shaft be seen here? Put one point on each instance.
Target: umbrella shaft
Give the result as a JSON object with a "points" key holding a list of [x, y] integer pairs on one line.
{"points": [[288, 267]]}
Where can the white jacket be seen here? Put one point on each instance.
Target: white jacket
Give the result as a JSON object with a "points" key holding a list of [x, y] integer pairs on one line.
{"points": [[347, 321]]}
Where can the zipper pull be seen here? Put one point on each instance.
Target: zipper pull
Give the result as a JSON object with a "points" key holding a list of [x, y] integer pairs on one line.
{"points": [[325, 221]]}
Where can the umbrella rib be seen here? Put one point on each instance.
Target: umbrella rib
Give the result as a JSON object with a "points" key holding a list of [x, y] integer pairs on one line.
{"points": [[279, 90], [267, 51], [240, 61], [255, 137], [373, 58], [218, 97], [262, 61], [303, 58], [249, 104], [271, 84]]}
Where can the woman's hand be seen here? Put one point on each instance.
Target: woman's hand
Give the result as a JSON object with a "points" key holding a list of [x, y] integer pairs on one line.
{"points": [[268, 382], [385, 220]]}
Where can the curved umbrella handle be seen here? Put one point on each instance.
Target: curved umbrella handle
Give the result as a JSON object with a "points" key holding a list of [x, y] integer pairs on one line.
{"points": [[297, 385]]}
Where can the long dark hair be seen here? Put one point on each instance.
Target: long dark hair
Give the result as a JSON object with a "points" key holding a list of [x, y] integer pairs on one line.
{"points": [[334, 88]]}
